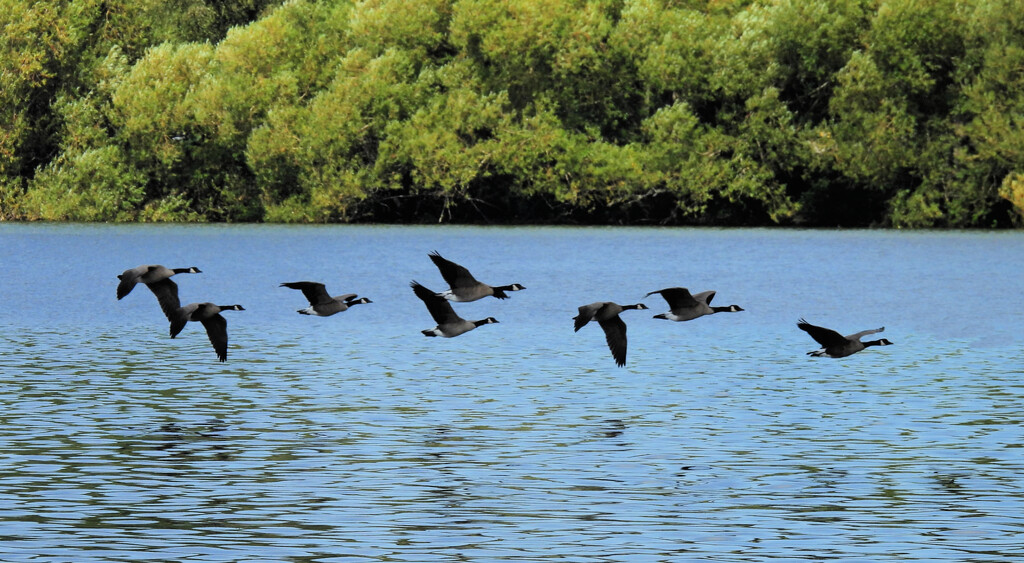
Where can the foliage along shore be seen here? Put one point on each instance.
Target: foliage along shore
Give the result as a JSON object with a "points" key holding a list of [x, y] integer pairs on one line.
{"points": [[794, 112]]}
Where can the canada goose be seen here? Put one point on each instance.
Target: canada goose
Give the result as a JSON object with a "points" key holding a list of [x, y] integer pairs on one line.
{"points": [[209, 315], [686, 307], [607, 315], [448, 323], [835, 345], [320, 303], [463, 287], [158, 279]]}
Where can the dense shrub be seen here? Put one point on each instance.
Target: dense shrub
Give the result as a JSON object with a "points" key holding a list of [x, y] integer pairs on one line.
{"points": [[821, 112]]}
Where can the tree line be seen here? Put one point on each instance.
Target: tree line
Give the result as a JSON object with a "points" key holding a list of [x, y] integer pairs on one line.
{"points": [[896, 113]]}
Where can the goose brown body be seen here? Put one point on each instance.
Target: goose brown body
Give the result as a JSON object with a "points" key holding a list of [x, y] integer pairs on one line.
{"points": [[463, 287], [606, 313], [321, 304], [685, 307], [158, 279], [835, 345], [449, 324], [208, 314]]}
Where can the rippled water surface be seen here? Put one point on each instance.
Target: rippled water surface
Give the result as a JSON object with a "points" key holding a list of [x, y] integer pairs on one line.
{"points": [[355, 438]]}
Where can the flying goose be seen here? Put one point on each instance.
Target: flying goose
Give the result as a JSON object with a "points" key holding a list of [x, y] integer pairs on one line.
{"points": [[607, 315], [158, 279], [448, 323], [686, 307], [209, 315], [320, 303], [463, 287], [835, 345]]}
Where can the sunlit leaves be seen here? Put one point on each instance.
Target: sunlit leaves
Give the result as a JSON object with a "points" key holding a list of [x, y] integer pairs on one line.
{"points": [[674, 49], [331, 145], [827, 112], [152, 106], [97, 185], [418, 26], [1012, 190]]}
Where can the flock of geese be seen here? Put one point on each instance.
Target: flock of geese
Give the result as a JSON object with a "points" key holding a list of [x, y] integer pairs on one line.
{"points": [[462, 288]]}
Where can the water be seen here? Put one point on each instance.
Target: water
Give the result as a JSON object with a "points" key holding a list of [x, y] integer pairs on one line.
{"points": [[355, 438]]}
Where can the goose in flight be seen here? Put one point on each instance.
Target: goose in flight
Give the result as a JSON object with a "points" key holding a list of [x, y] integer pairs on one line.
{"points": [[835, 345], [685, 307], [463, 287], [209, 315], [158, 279], [321, 303], [449, 324], [606, 313]]}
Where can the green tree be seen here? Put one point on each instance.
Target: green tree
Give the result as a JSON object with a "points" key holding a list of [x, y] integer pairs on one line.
{"points": [[559, 51], [314, 163], [96, 185], [989, 121], [827, 112]]}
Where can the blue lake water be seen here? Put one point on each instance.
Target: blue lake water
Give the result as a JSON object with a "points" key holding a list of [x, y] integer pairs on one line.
{"points": [[356, 438]]}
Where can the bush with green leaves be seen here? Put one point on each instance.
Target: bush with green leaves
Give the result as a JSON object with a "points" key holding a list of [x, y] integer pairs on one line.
{"points": [[821, 112]]}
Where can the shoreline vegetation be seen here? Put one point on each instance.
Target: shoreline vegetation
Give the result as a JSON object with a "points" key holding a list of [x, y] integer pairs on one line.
{"points": [[882, 113]]}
